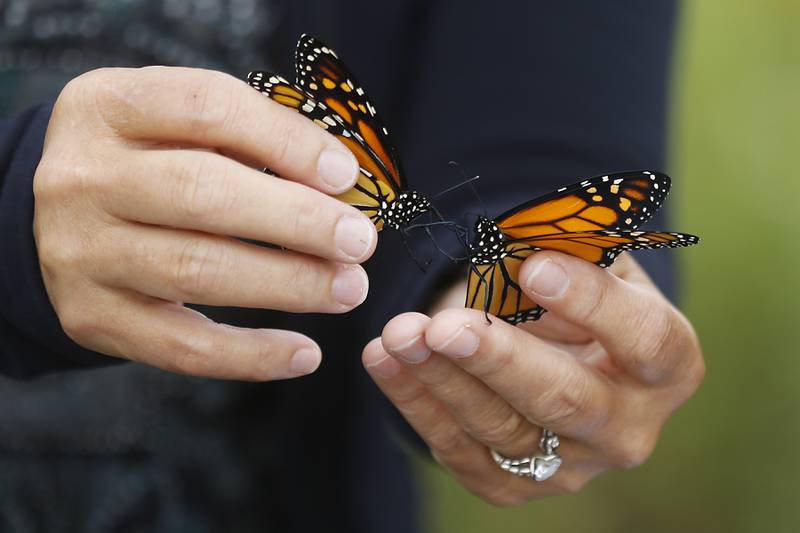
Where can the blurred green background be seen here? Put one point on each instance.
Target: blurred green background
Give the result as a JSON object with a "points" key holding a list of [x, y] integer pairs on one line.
{"points": [[730, 459]]}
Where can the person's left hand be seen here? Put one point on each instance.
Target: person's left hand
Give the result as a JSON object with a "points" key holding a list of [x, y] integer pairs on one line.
{"points": [[604, 369]]}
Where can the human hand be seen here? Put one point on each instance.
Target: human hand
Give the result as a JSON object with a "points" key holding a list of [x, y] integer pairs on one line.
{"points": [[148, 179], [604, 369]]}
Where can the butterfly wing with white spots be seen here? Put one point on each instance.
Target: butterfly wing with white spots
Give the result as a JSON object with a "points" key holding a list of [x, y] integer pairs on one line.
{"points": [[624, 200], [327, 93], [287, 94], [593, 220], [320, 72]]}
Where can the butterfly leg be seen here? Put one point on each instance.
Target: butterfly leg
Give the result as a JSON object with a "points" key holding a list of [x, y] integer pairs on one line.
{"points": [[440, 249], [404, 239], [458, 230]]}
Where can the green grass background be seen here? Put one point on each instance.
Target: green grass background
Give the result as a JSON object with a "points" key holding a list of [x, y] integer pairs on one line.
{"points": [[729, 460]]}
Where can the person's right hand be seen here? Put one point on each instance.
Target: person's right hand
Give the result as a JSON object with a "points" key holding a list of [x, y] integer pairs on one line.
{"points": [[149, 179]]}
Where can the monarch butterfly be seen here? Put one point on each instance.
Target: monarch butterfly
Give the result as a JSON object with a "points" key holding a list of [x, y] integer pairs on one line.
{"points": [[595, 220], [327, 93]]}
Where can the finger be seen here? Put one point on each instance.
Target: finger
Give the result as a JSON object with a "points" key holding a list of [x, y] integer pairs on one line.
{"points": [[205, 191], [177, 339], [627, 268], [198, 268], [469, 461], [642, 332], [484, 414], [554, 328], [211, 109], [550, 326], [549, 387]]}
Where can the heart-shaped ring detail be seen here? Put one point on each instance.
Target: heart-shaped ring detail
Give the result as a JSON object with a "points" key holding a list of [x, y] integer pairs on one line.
{"points": [[544, 466], [536, 467]]}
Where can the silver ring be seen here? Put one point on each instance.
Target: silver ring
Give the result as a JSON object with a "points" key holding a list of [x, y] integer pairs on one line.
{"points": [[538, 467]]}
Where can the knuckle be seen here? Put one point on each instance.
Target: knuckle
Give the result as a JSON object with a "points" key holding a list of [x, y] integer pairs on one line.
{"points": [[105, 93], [633, 449], [264, 367], [688, 380], [195, 355], [450, 443], [565, 399], [697, 374], [302, 276], [687, 343], [79, 325], [46, 172], [73, 90], [504, 498], [279, 139], [410, 396], [69, 177], [58, 253], [500, 359], [570, 484], [212, 101], [593, 303], [501, 429], [201, 190], [648, 353], [197, 268], [79, 87], [304, 221]]}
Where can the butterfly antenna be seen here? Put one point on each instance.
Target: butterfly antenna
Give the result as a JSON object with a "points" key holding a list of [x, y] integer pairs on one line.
{"points": [[468, 182], [480, 200], [456, 186]]}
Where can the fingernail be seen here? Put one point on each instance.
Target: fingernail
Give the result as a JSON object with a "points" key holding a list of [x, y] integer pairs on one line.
{"points": [[350, 286], [382, 364], [463, 343], [547, 279], [338, 169], [354, 235], [305, 361], [414, 351]]}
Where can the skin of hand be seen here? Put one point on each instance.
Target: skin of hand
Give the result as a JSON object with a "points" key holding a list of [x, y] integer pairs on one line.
{"points": [[604, 369], [149, 180]]}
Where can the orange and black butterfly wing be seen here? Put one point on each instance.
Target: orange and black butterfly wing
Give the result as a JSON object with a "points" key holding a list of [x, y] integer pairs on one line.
{"points": [[494, 288], [321, 73], [620, 201], [287, 94], [603, 247], [614, 202], [372, 188]]}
